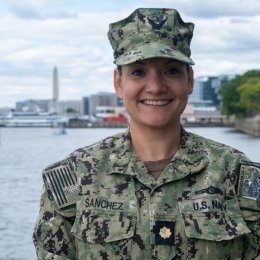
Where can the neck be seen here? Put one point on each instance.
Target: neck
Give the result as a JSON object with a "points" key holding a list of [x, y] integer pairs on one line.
{"points": [[155, 144]]}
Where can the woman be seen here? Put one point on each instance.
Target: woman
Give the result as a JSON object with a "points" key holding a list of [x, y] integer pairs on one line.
{"points": [[154, 191]]}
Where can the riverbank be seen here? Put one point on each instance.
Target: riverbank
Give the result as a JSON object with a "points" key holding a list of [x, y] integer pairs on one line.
{"points": [[249, 125], [118, 125]]}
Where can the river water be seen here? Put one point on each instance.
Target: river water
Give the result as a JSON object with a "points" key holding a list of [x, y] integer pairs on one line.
{"points": [[24, 152]]}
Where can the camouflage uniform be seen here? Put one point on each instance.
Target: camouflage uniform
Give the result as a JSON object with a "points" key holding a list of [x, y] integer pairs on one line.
{"points": [[102, 203]]}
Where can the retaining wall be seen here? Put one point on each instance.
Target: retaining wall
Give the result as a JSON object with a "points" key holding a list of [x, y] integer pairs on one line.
{"points": [[249, 125]]}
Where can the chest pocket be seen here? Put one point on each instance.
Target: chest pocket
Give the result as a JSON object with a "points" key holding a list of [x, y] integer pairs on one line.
{"points": [[103, 226], [105, 233], [212, 219]]}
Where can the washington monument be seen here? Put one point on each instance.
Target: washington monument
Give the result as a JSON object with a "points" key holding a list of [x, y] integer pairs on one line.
{"points": [[55, 85]]}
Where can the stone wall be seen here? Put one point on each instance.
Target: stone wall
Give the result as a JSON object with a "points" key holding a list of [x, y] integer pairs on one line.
{"points": [[249, 125]]}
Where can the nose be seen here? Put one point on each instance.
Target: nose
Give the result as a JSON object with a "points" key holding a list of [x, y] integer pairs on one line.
{"points": [[155, 83]]}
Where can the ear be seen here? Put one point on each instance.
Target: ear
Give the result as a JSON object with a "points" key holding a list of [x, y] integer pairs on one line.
{"points": [[190, 80], [118, 83]]}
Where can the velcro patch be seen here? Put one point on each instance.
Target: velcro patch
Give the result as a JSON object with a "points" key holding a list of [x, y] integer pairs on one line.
{"points": [[164, 232], [62, 183], [249, 181]]}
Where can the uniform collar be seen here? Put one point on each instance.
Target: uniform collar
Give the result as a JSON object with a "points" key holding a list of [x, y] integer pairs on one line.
{"points": [[189, 159]]}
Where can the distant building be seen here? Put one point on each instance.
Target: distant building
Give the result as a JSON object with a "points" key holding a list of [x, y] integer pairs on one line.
{"points": [[85, 101], [205, 97], [206, 90], [32, 105], [100, 99], [72, 107]]}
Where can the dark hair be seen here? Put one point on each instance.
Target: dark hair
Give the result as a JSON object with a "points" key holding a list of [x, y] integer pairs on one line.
{"points": [[119, 68]]}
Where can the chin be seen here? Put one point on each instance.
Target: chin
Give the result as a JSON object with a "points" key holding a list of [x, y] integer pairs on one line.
{"points": [[159, 124]]}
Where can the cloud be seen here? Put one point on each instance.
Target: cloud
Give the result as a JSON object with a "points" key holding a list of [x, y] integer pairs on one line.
{"points": [[225, 35], [210, 9], [25, 9], [40, 9], [44, 9], [78, 45]]}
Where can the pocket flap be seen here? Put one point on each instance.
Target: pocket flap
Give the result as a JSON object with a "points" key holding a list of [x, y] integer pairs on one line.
{"points": [[223, 224], [101, 226]]}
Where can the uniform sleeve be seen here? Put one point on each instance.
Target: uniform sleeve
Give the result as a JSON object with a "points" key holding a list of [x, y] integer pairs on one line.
{"points": [[51, 236], [52, 233], [248, 191]]}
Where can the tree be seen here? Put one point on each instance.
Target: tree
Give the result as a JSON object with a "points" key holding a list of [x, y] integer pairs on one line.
{"points": [[250, 96], [71, 111], [233, 100]]}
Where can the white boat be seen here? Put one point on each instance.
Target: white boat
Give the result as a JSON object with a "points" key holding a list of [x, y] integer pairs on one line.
{"points": [[59, 128]]}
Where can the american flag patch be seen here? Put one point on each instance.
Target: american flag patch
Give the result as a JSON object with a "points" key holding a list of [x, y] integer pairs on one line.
{"points": [[62, 183]]}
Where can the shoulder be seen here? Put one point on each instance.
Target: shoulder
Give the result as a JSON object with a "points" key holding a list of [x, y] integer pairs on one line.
{"points": [[60, 178], [239, 175], [245, 173], [101, 147], [96, 149], [216, 149], [60, 182]]}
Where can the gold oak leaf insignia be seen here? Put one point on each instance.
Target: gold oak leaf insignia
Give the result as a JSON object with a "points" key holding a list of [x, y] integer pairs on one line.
{"points": [[165, 232]]}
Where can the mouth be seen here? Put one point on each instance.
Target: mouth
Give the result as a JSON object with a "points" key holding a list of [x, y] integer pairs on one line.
{"points": [[151, 102]]}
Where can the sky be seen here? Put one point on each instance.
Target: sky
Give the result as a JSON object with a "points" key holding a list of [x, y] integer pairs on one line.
{"points": [[37, 35]]}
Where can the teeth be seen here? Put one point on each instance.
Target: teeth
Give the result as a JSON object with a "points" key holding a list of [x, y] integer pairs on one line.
{"points": [[156, 102]]}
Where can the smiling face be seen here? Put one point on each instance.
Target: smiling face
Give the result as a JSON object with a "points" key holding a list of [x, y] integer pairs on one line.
{"points": [[154, 91]]}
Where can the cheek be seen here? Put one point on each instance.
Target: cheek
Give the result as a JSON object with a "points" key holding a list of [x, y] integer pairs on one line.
{"points": [[182, 92], [128, 92], [129, 99]]}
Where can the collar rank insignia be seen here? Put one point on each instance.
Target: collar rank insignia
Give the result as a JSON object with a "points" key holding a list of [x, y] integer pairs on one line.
{"points": [[164, 232]]}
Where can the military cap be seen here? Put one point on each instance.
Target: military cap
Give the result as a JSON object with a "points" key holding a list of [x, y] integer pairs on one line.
{"points": [[149, 33]]}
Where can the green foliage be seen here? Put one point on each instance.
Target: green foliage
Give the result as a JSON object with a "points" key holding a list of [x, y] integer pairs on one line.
{"points": [[250, 95], [241, 95], [71, 111]]}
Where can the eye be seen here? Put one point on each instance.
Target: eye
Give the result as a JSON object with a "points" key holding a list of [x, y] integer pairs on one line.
{"points": [[138, 72], [172, 71]]}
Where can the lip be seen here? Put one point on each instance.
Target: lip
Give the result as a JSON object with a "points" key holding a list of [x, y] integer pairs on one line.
{"points": [[153, 102]]}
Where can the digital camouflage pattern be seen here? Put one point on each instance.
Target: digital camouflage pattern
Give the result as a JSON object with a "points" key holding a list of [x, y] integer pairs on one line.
{"points": [[199, 207], [151, 32]]}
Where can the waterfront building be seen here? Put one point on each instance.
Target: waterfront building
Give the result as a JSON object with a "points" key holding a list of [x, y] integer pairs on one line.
{"points": [[206, 90], [32, 105], [70, 107], [85, 101], [106, 99]]}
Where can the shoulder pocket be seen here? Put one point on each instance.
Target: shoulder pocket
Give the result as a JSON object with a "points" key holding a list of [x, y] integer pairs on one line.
{"points": [[212, 219], [103, 226]]}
